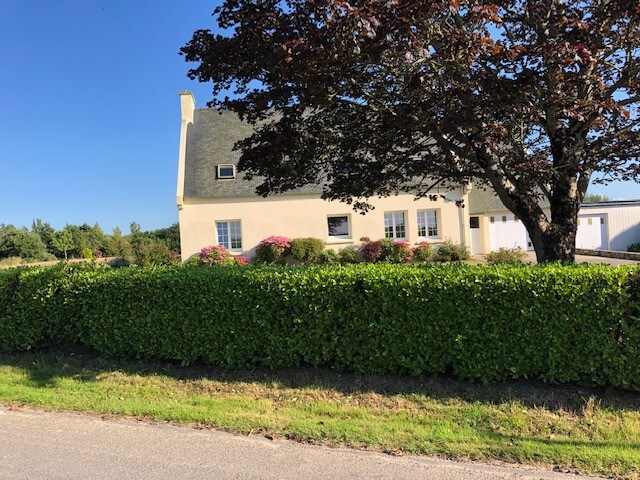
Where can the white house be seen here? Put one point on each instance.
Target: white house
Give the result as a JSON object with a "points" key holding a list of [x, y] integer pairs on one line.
{"points": [[217, 205]]}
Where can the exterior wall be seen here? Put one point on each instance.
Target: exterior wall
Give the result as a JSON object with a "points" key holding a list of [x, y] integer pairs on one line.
{"points": [[297, 216], [622, 221], [622, 224]]}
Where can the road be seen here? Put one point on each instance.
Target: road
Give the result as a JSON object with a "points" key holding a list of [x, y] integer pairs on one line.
{"points": [[39, 445]]}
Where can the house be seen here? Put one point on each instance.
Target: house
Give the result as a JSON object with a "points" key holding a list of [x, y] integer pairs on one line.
{"points": [[217, 205], [601, 226]]}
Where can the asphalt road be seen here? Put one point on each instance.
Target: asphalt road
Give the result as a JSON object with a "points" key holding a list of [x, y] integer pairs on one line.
{"points": [[39, 445]]}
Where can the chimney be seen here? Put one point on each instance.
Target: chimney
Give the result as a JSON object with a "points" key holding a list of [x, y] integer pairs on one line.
{"points": [[187, 106]]}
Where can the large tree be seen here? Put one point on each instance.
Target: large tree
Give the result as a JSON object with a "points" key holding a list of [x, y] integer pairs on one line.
{"points": [[533, 99]]}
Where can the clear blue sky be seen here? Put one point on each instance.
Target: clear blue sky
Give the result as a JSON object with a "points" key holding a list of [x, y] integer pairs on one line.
{"points": [[90, 113]]}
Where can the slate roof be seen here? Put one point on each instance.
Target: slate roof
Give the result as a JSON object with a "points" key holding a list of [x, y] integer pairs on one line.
{"points": [[484, 201], [210, 141]]}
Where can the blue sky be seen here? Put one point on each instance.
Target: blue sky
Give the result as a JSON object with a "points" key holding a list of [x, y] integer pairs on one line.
{"points": [[90, 113]]}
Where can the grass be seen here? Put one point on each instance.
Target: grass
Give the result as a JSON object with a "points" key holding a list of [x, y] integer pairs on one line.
{"points": [[571, 428]]}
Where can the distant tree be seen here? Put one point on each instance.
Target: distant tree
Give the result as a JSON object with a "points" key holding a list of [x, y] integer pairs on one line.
{"points": [[368, 98], [595, 197], [63, 241], [20, 242], [170, 236], [134, 228], [118, 245], [45, 230]]}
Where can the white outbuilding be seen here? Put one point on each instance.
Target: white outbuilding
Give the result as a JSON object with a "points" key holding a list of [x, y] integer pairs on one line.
{"points": [[601, 226]]}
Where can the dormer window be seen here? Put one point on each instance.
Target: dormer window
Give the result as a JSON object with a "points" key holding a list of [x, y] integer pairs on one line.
{"points": [[225, 171]]}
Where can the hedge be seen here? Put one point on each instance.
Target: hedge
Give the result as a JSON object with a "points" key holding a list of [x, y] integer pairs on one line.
{"points": [[554, 323]]}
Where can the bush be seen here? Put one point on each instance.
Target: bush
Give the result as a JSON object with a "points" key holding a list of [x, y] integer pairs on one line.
{"points": [[19, 242], [272, 249], [219, 255], [451, 252], [394, 251], [148, 252], [509, 256], [349, 255], [423, 252], [371, 251], [119, 262], [329, 257], [555, 323], [87, 253], [634, 247], [306, 250]]}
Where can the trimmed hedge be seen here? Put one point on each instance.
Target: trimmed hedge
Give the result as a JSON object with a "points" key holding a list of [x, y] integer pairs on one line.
{"points": [[555, 323]]}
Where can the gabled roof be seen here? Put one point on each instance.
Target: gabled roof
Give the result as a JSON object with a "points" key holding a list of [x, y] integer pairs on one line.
{"points": [[210, 141]]}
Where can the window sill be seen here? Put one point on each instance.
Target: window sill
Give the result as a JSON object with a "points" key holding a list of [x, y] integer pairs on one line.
{"points": [[339, 241]]}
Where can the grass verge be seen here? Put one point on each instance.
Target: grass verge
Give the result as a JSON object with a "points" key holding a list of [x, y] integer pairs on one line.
{"points": [[575, 429]]}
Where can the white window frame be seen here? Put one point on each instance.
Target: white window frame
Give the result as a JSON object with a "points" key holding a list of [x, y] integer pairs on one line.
{"points": [[225, 177], [423, 222], [340, 237], [394, 224], [227, 242]]}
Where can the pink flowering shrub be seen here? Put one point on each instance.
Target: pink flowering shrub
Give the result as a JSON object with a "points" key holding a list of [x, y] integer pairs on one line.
{"points": [[385, 250], [272, 249], [219, 255]]}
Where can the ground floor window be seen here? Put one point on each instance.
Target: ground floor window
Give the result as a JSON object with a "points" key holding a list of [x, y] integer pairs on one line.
{"points": [[395, 226], [338, 226], [230, 234], [428, 224]]}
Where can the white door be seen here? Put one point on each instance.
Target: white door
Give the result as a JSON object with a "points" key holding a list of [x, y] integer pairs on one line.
{"points": [[592, 232], [506, 231], [476, 235]]}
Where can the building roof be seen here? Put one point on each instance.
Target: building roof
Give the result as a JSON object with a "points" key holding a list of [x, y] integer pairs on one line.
{"points": [[485, 201], [210, 141]]}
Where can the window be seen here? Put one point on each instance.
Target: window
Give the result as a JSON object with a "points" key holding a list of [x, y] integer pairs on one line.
{"points": [[226, 171], [474, 222], [492, 219], [394, 225], [230, 235], [504, 219], [338, 226], [428, 223]]}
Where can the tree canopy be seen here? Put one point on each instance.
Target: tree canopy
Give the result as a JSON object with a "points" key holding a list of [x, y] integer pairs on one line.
{"points": [[530, 98]]}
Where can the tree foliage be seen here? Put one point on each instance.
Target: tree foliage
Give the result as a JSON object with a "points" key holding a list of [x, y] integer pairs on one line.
{"points": [[371, 97]]}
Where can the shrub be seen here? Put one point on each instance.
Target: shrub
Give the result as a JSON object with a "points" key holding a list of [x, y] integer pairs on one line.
{"points": [[349, 255], [148, 252], [634, 247], [219, 255], [423, 252], [394, 251], [119, 262], [329, 257], [271, 250], [306, 250], [554, 323], [87, 253], [451, 252], [371, 251], [509, 256]]}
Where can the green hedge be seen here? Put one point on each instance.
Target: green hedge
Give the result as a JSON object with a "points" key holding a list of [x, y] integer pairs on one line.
{"points": [[555, 323]]}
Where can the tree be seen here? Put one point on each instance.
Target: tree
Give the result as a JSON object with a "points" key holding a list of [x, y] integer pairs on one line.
{"points": [[118, 246], [169, 235], [45, 230], [20, 242], [371, 97], [63, 241], [595, 197]]}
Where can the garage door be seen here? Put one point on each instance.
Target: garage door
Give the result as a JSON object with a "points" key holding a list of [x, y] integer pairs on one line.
{"points": [[592, 232], [506, 231]]}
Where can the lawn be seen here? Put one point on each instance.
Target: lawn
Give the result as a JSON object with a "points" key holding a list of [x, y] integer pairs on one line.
{"points": [[573, 428]]}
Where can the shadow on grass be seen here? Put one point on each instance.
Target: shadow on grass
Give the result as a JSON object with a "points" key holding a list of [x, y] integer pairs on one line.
{"points": [[45, 367]]}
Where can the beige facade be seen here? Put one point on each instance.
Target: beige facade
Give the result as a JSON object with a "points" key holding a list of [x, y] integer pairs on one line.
{"points": [[294, 216]]}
